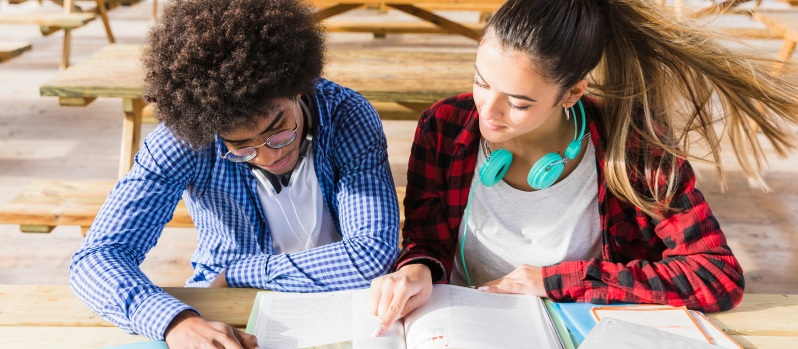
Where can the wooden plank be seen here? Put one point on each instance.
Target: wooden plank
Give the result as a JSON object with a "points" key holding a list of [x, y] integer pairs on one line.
{"points": [[760, 315], [57, 306], [71, 20], [45, 229], [66, 49], [394, 27], [106, 23], [11, 49], [131, 133], [66, 337], [444, 23], [381, 76], [398, 76], [376, 3], [46, 307], [335, 10], [53, 203], [113, 71], [75, 101]]}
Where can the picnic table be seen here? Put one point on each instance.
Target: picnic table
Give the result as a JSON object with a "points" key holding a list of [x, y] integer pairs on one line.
{"points": [[420, 9], [51, 316], [414, 80]]}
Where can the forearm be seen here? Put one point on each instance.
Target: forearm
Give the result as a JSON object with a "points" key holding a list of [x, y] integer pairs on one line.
{"points": [[347, 264], [110, 282], [696, 281]]}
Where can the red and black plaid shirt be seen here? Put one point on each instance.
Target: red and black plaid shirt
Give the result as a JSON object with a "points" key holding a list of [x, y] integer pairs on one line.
{"points": [[682, 260]]}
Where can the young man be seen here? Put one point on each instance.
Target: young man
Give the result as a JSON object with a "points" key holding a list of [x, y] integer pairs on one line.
{"points": [[285, 174]]}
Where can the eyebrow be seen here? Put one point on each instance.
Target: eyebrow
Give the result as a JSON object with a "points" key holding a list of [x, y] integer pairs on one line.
{"points": [[507, 94], [274, 122]]}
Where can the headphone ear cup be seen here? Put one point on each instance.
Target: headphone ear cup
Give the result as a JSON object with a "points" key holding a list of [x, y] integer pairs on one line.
{"points": [[539, 178], [495, 167]]}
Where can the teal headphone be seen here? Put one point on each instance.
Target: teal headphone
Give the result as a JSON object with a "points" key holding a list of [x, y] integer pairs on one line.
{"points": [[543, 174]]}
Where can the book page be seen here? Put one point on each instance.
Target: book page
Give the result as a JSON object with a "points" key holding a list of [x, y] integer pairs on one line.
{"points": [[676, 321], [322, 320], [458, 317]]}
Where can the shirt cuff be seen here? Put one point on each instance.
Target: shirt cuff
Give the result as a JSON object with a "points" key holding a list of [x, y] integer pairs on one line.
{"points": [[565, 282], [436, 268], [155, 313], [247, 272]]}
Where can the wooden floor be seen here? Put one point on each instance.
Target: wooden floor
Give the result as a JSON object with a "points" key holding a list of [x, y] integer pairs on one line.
{"points": [[41, 140]]}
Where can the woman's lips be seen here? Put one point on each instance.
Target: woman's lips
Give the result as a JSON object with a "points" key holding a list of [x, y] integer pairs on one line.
{"points": [[492, 127]]}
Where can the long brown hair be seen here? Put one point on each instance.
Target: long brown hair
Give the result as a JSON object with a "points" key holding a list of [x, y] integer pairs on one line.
{"points": [[644, 60]]}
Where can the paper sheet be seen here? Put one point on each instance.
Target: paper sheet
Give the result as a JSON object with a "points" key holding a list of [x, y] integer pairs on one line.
{"points": [[676, 321]]}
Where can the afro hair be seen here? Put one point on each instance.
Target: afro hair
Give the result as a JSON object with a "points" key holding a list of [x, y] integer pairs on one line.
{"points": [[213, 66]]}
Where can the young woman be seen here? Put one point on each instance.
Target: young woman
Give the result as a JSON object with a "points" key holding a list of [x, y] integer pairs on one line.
{"points": [[491, 202]]}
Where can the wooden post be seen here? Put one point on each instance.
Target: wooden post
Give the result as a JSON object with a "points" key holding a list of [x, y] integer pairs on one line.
{"points": [[131, 133], [67, 46], [104, 17], [155, 11], [444, 23], [335, 10]]}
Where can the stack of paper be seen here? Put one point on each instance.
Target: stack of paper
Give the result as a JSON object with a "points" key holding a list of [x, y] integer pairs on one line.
{"points": [[580, 318]]}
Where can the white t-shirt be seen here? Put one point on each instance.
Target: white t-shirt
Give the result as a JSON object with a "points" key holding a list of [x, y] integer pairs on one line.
{"points": [[508, 227], [298, 217]]}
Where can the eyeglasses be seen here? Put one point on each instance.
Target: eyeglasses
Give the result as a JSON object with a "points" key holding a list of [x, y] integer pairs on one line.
{"points": [[278, 140]]}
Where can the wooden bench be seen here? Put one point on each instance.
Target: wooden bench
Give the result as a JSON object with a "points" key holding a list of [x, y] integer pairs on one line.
{"points": [[46, 204], [11, 49], [382, 28], [51, 22]]}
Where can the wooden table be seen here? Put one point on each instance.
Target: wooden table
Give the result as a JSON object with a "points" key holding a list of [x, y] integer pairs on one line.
{"points": [[418, 8], [51, 316], [412, 79]]}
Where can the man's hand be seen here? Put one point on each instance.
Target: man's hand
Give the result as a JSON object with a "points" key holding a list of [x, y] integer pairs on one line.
{"points": [[525, 279], [219, 281], [189, 331]]}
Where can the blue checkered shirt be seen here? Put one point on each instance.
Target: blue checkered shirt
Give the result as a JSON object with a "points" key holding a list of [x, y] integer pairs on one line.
{"points": [[350, 153]]}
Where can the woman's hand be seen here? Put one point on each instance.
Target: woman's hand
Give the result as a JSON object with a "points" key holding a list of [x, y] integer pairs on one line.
{"points": [[525, 279], [395, 295]]}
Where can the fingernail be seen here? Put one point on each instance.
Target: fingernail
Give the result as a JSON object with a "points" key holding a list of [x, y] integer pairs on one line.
{"points": [[483, 288], [377, 332]]}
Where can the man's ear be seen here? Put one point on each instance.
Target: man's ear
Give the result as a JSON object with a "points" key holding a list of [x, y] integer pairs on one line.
{"points": [[572, 95]]}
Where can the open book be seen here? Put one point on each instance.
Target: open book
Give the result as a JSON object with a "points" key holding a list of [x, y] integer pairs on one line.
{"points": [[453, 317]]}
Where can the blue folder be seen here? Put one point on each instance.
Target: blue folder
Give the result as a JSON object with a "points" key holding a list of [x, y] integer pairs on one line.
{"points": [[142, 345], [578, 318]]}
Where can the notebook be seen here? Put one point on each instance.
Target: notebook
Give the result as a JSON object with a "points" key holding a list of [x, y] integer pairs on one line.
{"points": [[619, 334], [453, 317]]}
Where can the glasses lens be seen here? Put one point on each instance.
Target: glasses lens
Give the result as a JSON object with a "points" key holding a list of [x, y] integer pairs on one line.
{"points": [[243, 154], [281, 139]]}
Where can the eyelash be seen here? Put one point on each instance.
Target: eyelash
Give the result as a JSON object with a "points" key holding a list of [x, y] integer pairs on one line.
{"points": [[508, 102]]}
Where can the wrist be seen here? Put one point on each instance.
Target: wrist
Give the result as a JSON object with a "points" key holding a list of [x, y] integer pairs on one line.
{"points": [[179, 319]]}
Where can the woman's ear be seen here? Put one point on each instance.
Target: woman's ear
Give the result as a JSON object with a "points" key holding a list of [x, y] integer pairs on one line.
{"points": [[572, 95]]}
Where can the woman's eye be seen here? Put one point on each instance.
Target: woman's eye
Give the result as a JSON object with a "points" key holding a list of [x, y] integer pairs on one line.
{"points": [[478, 84], [517, 107]]}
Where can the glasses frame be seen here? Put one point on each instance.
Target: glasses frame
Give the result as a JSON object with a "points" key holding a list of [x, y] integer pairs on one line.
{"points": [[248, 158]]}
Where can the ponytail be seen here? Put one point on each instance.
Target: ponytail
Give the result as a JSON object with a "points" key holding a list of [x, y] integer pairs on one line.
{"points": [[659, 75]]}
